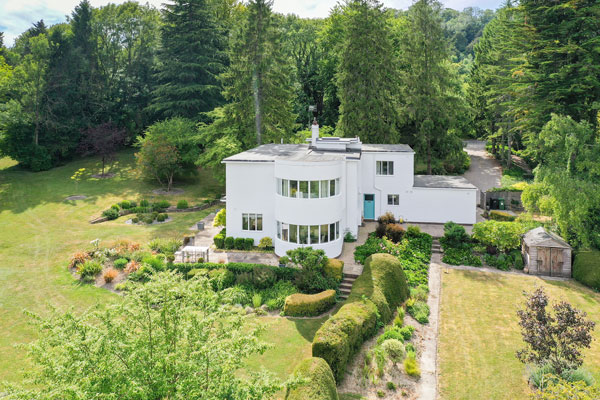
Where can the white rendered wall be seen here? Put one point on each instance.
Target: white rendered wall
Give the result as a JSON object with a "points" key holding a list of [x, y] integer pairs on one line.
{"points": [[439, 205], [381, 186]]}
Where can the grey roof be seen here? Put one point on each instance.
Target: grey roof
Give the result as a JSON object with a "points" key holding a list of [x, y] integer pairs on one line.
{"points": [[540, 237], [443, 182], [292, 152], [387, 148]]}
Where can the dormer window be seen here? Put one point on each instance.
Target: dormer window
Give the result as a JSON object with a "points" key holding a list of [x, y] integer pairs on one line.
{"points": [[384, 168]]}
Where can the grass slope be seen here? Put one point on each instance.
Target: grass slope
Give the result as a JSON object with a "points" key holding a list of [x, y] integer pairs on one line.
{"points": [[39, 231], [479, 333]]}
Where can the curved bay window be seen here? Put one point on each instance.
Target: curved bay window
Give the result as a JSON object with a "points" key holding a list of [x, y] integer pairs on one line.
{"points": [[308, 189], [308, 234]]}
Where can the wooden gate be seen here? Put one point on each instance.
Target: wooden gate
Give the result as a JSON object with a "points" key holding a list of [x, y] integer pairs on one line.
{"points": [[550, 261]]}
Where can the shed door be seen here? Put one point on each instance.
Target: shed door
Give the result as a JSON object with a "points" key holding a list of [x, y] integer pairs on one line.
{"points": [[543, 260], [556, 259]]}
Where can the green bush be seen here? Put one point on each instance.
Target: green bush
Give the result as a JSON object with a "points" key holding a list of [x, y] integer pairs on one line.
{"points": [[454, 235], [394, 232], [125, 204], [239, 243], [115, 207], [219, 241], [461, 256], [120, 263], [135, 220], [500, 261], [161, 205], [162, 217], [410, 365], [419, 310], [144, 203], [265, 243], [503, 235], [229, 242], [586, 268], [309, 305], [383, 282], [111, 214], [182, 205], [334, 269], [389, 334], [165, 246], [501, 216], [155, 262], [391, 386], [413, 231], [399, 320], [275, 296], [264, 275], [257, 300], [318, 381], [90, 268], [394, 350], [248, 243]]}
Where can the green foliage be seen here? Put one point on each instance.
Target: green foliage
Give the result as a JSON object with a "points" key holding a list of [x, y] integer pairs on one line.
{"points": [[260, 275], [219, 241], [391, 333], [410, 365], [504, 236], [501, 216], [309, 305], [394, 350], [182, 204], [586, 268], [111, 213], [181, 313], [120, 263], [239, 243], [461, 256], [560, 389], [317, 381], [90, 268], [265, 243], [229, 242], [165, 246], [312, 277], [454, 235], [334, 269], [144, 203], [220, 218], [257, 300], [419, 310], [162, 217]]}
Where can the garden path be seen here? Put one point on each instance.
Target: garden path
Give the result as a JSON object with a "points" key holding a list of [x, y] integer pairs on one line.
{"points": [[427, 387], [347, 256], [485, 171]]}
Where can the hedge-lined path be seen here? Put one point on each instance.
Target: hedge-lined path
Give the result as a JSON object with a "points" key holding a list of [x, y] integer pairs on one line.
{"points": [[427, 388], [347, 256]]}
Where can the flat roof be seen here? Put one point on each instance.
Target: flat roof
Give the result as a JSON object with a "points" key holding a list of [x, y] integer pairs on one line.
{"points": [[385, 148], [443, 182], [292, 152]]}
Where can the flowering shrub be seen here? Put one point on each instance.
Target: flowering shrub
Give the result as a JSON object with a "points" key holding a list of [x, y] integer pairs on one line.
{"points": [[78, 258], [132, 266], [110, 274]]}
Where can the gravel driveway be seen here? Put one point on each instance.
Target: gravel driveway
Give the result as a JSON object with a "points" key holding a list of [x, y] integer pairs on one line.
{"points": [[485, 171]]}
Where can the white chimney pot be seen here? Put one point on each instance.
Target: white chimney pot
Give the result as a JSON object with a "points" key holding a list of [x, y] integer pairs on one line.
{"points": [[315, 133]]}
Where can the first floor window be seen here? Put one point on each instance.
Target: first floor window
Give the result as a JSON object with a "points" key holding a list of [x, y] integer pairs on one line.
{"points": [[393, 199], [314, 234], [384, 168], [303, 233], [252, 222]]}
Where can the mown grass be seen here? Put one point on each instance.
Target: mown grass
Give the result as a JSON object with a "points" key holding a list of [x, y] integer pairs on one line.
{"points": [[479, 332], [39, 230]]}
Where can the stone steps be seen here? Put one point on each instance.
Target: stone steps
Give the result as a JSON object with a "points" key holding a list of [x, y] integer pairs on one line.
{"points": [[436, 247], [346, 285]]}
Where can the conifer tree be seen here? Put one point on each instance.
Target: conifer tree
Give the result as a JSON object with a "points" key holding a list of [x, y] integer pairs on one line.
{"points": [[190, 60], [367, 76]]}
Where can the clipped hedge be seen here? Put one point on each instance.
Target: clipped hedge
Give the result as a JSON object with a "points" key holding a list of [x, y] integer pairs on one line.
{"points": [[379, 290], [586, 268], [383, 282], [334, 269], [319, 383], [309, 305], [280, 273]]}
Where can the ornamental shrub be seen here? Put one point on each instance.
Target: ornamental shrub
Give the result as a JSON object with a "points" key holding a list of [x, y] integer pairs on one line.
{"points": [[90, 268], [78, 258], [144, 203], [110, 274], [410, 365], [394, 350], [389, 334], [239, 243], [182, 204], [454, 236], [219, 241], [265, 243], [161, 205], [309, 305], [586, 268], [111, 214], [413, 231], [125, 204], [504, 236], [161, 217], [220, 218], [115, 207], [394, 232], [419, 310], [263, 277], [229, 242], [334, 269], [387, 218], [120, 263], [248, 243], [318, 382]]}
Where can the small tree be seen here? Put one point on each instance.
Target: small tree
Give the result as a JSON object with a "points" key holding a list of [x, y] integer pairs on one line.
{"points": [[103, 140], [168, 339], [312, 276], [555, 339], [158, 159], [220, 218]]}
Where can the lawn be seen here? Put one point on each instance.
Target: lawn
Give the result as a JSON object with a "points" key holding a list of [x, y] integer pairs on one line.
{"points": [[39, 230], [479, 334]]}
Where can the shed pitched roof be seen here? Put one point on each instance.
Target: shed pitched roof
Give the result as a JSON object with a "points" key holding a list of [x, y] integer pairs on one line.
{"points": [[542, 238]]}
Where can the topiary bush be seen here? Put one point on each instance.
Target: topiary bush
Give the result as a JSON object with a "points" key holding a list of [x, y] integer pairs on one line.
{"points": [[229, 242], [144, 203], [334, 269], [318, 381], [309, 305], [219, 241], [111, 214], [586, 268], [125, 204], [161, 217], [182, 205], [248, 243], [239, 243]]}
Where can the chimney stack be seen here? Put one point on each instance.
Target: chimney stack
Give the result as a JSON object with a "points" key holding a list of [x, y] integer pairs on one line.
{"points": [[315, 133]]}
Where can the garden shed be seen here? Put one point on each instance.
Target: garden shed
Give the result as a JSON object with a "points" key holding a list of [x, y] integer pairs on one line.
{"points": [[546, 254]]}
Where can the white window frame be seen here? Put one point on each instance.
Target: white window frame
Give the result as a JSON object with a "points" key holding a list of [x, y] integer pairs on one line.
{"points": [[391, 198], [379, 168], [254, 217]]}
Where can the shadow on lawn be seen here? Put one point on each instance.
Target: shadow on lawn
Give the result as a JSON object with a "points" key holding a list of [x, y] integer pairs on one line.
{"points": [[482, 277], [308, 327]]}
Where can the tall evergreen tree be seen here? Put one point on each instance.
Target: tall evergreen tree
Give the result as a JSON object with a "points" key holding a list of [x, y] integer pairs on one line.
{"points": [[190, 60], [367, 76], [429, 91]]}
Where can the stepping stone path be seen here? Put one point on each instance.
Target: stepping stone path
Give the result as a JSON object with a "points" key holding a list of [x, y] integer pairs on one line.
{"points": [[346, 285]]}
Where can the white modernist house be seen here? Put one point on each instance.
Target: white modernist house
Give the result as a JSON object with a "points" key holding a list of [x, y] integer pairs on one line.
{"points": [[312, 194]]}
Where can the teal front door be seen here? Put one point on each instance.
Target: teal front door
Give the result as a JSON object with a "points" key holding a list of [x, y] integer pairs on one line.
{"points": [[369, 207]]}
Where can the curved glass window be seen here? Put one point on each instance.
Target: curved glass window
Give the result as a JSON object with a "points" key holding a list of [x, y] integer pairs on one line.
{"points": [[308, 234], [308, 189]]}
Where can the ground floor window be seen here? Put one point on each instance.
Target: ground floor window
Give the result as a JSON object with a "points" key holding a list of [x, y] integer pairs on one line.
{"points": [[252, 222], [393, 199], [308, 234]]}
